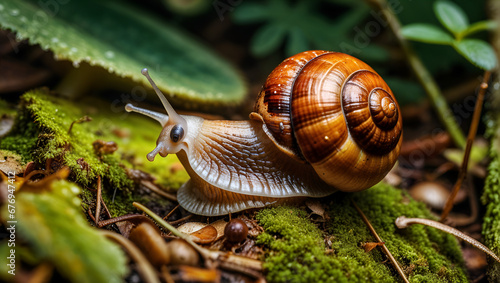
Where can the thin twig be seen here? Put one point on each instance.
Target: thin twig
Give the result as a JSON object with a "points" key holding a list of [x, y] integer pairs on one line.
{"points": [[468, 147], [79, 121], [403, 222], [384, 247], [157, 190], [98, 202], [170, 213], [431, 87], [128, 217]]}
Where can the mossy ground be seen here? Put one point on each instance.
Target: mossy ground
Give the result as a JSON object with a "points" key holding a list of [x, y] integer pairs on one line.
{"points": [[491, 197], [41, 133], [297, 250], [296, 247]]}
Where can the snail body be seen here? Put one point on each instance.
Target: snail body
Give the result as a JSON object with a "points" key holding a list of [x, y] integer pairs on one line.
{"points": [[324, 121]]}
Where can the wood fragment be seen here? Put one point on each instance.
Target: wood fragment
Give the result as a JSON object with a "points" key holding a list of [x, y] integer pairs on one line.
{"points": [[470, 139]]}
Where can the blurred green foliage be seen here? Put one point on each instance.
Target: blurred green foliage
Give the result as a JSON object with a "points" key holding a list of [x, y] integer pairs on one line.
{"points": [[300, 26], [451, 16]]}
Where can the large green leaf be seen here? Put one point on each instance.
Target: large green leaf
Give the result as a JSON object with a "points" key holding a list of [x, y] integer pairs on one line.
{"points": [[426, 33], [123, 39], [451, 16], [478, 52], [51, 221]]}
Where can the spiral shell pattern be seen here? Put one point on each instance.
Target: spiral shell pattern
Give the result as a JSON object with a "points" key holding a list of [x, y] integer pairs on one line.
{"points": [[335, 112]]}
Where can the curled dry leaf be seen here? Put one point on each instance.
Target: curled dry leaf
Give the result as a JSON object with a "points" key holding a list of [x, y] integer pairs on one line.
{"points": [[219, 225], [316, 207], [371, 245], [205, 235], [190, 227], [202, 233], [147, 237]]}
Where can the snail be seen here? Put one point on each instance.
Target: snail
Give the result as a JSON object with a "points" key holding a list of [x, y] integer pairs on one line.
{"points": [[323, 121]]}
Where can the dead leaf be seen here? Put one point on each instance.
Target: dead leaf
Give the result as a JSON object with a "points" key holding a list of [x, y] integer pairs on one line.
{"points": [[205, 235], [371, 245], [190, 227], [10, 163], [316, 207]]}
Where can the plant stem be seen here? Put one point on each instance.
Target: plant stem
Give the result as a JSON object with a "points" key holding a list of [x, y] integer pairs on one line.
{"points": [[403, 222], [468, 147], [434, 93], [384, 247]]}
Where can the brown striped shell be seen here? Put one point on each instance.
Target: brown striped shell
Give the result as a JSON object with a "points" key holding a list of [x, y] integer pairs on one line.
{"points": [[335, 112]]}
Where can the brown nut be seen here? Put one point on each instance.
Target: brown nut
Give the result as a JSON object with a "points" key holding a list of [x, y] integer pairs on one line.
{"points": [[236, 231]]}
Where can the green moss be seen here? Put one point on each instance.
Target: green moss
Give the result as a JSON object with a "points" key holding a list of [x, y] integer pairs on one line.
{"points": [[491, 199], [23, 137], [41, 132], [297, 246]]}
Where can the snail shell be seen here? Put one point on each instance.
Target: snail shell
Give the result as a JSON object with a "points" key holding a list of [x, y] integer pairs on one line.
{"points": [[324, 121], [335, 112]]}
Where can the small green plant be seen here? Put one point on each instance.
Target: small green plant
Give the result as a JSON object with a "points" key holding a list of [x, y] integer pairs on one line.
{"points": [[300, 26], [454, 19]]}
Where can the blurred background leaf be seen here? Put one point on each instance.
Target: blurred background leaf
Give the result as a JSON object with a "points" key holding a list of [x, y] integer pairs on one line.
{"points": [[124, 39]]}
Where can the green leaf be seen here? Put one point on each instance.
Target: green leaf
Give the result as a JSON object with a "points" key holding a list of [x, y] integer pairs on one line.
{"points": [[250, 13], [267, 39], [123, 40], [479, 26], [51, 221], [426, 33], [478, 52], [451, 16]]}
